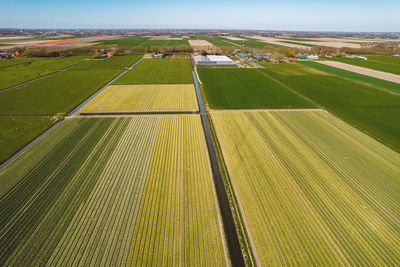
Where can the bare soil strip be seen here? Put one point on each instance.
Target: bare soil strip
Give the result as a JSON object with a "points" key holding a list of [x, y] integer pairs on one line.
{"points": [[275, 41], [110, 112], [196, 43], [364, 71], [131, 115]]}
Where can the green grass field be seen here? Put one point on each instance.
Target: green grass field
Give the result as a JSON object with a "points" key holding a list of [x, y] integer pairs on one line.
{"points": [[146, 42], [4, 63], [113, 63], [215, 40], [16, 72], [382, 63], [229, 88], [159, 71], [369, 108], [58, 93], [313, 190], [16, 132], [101, 192], [46, 64], [62, 91]]}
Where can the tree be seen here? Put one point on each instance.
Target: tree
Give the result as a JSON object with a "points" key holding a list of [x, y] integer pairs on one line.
{"points": [[203, 52], [290, 53]]}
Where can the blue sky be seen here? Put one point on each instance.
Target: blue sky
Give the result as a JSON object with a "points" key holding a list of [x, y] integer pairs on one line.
{"points": [[322, 15]]}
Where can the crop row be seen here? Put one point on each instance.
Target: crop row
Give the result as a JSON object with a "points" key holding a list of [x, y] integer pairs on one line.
{"points": [[144, 97], [312, 189], [112, 191]]}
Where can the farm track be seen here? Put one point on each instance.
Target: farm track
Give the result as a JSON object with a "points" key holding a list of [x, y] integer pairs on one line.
{"points": [[324, 203]]}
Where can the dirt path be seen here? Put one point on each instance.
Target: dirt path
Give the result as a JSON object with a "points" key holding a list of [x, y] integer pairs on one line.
{"points": [[364, 71]]}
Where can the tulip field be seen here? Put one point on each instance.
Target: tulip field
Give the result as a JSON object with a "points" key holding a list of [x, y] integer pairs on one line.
{"points": [[313, 190], [155, 97], [113, 192]]}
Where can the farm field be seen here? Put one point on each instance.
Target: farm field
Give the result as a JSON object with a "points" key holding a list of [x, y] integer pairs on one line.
{"points": [[215, 40], [111, 191], [298, 39], [143, 41], [229, 88], [355, 77], [375, 111], [19, 71], [58, 93], [381, 63], [15, 61], [45, 64], [159, 71], [162, 97], [254, 43], [113, 63], [52, 96], [16, 132], [313, 190]]}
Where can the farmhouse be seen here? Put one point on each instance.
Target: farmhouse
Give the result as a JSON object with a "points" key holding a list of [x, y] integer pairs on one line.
{"points": [[213, 60], [153, 55]]}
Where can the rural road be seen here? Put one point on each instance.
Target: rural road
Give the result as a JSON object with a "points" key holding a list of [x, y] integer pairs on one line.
{"points": [[364, 71]]}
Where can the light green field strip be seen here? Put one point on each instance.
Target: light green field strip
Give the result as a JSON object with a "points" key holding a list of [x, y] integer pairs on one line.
{"points": [[313, 190], [160, 97]]}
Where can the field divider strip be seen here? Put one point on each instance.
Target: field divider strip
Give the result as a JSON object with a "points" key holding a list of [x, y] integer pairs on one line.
{"points": [[226, 212]]}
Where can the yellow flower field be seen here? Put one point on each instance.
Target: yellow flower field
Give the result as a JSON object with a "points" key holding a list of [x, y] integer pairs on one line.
{"points": [[313, 190], [152, 97]]}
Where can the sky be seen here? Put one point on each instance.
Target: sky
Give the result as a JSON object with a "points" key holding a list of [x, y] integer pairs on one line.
{"points": [[294, 15]]}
